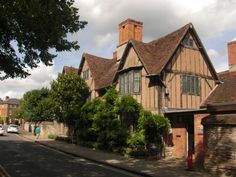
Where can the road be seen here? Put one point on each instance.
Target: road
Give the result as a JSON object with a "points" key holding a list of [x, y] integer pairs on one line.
{"points": [[22, 158]]}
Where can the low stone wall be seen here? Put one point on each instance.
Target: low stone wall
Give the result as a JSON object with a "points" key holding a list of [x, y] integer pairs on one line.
{"points": [[48, 128], [220, 145]]}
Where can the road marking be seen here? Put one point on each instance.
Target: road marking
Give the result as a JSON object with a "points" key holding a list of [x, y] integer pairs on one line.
{"points": [[3, 172]]}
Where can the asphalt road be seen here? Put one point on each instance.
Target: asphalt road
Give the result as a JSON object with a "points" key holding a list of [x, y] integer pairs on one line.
{"points": [[22, 158]]}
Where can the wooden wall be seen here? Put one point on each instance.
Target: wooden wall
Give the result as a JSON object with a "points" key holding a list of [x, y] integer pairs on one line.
{"points": [[132, 60], [148, 96], [90, 82], [187, 61]]}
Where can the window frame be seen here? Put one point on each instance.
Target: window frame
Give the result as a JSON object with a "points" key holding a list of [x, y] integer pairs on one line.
{"points": [[190, 85], [127, 82], [188, 42], [85, 74]]}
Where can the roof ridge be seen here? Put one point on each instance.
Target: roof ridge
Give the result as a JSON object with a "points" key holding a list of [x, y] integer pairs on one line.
{"points": [[84, 54], [173, 32]]}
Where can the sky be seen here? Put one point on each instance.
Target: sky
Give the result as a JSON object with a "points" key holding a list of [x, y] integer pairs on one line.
{"points": [[214, 21]]}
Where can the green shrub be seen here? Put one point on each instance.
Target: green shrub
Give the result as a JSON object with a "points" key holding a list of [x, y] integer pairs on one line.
{"points": [[137, 140], [52, 137], [99, 124], [85, 124], [129, 110], [154, 126], [112, 136], [136, 144]]}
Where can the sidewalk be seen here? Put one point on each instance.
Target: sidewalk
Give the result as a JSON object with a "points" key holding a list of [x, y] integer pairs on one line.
{"points": [[162, 168]]}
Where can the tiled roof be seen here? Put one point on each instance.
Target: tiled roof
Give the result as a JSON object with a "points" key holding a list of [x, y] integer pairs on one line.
{"points": [[225, 92], [11, 101], [220, 119], [156, 54], [102, 69], [69, 69]]}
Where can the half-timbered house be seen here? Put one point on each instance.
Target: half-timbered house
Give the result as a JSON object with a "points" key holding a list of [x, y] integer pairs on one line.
{"points": [[167, 76]]}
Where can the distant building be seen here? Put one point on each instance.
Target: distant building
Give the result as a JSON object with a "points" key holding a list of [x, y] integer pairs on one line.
{"points": [[7, 107], [69, 70]]}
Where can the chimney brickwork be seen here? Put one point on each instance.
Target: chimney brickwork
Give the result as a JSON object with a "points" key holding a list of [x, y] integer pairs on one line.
{"points": [[130, 29], [232, 55]]}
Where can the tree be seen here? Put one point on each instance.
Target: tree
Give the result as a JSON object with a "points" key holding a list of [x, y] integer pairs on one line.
{"points": [[129, 110], [36, 106], [87, 132], [112, 135], [30, 32], [69, 92], [99, 124]]}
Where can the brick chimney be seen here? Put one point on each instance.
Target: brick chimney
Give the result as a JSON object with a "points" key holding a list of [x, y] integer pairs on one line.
{"points": [[232, 55], [130, 29], [114, 55]]}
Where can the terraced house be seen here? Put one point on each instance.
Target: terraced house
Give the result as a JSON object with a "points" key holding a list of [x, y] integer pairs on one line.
{"points": [[169, 76]]}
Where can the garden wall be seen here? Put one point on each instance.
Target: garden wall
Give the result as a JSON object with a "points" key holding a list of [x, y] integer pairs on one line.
{"points": [[220, 144], [48, 128]]}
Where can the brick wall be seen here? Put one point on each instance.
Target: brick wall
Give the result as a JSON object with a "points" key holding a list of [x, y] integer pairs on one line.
{"points": [[198, 137], [232, 55], [220, 158], [179, 142]]}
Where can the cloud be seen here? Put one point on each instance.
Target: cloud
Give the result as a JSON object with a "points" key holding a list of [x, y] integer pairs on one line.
{"points": [[212, 19], [40, 77], [234, 39], [213, 53]]}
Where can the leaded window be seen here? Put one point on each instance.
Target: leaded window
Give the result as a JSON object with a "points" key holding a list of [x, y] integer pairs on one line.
{"points": [[137, 81], [188, 42], [190, 85], [130, 82], [85, 74]]}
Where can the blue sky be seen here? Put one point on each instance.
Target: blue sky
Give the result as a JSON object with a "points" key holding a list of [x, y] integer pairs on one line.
{"points": [[214, 21]]}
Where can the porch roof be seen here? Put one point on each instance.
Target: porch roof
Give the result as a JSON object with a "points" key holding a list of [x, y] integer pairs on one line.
{"points": [[186, 112]]}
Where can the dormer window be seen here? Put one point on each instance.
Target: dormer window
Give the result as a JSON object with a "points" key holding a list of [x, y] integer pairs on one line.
{"points": [[188, 42], [85, 74]]}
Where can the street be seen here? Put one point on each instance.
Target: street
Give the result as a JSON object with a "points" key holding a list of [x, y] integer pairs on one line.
{"points": [[20, 157]]}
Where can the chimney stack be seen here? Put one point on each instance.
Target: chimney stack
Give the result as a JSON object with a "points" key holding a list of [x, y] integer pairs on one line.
{"points": [[115, 55], [232, 55], [130, 29], [7, 98]]}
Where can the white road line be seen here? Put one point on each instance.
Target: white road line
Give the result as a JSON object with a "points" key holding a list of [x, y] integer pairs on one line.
{"points": [[3, 172]]}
